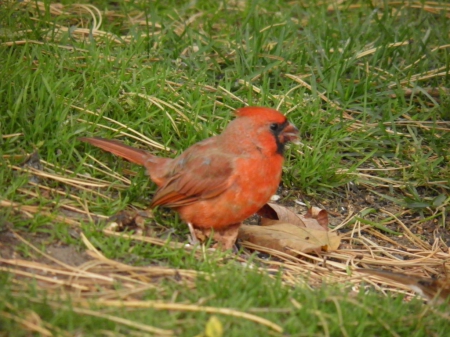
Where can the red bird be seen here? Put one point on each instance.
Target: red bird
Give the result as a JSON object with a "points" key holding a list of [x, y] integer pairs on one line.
{"points": [[221, 181]]}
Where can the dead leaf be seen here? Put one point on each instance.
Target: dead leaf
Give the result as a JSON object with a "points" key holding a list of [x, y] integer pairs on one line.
{"points": [[283, 230], [318, 214], [272, 214], [289, 238]]}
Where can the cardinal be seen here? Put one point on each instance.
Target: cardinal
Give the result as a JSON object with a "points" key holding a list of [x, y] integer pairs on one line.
{"points": [[219, 182]]}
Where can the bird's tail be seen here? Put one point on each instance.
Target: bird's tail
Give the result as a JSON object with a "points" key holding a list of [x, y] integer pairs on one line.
{"points": [[132, 154]]}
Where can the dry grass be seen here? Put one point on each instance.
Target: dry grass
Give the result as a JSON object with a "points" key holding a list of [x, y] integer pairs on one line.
{"points": [[363, 245]]}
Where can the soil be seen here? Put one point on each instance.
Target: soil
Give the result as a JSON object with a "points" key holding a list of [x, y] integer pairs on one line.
{"points": [[68, 254]]}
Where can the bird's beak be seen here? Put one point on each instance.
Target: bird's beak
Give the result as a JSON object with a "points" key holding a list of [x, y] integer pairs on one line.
{"points": [[290, 134]]}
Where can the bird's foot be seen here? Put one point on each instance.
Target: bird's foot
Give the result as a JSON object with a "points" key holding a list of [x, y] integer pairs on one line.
{"points": [[224, 239]]}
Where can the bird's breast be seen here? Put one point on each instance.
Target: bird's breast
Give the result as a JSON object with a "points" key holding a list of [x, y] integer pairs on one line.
{"points": [[254, 181], [258, 178]]}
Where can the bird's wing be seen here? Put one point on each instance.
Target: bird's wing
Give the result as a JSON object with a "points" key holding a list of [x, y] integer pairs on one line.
{"points": [[199, 173]]}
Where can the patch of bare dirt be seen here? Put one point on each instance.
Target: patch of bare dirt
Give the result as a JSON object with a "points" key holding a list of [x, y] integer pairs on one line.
{"points": [[10, 244]]}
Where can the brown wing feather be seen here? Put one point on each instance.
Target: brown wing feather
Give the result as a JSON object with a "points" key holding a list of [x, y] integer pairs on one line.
{"points": [[195, 175]]}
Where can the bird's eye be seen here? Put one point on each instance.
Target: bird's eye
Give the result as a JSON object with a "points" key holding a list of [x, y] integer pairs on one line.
{"points": [[273, 126]]}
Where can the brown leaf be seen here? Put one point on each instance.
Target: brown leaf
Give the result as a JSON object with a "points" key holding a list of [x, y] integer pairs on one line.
{"points": [[318, 214], [315, 218], [288, 238], [269, 212]]}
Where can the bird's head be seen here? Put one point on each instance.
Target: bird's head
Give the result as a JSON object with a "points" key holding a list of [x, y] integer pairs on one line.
{"points": [[268, 126]]}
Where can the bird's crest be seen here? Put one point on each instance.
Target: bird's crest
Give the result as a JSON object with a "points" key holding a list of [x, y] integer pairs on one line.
{"points": [[261, 112]]}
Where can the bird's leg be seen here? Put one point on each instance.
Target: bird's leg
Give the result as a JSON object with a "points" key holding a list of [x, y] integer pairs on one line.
{"points": [[226, 238], [192, 238]]}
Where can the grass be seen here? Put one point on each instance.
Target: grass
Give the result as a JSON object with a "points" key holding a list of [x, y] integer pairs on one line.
{"points": [[366, 83]]}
